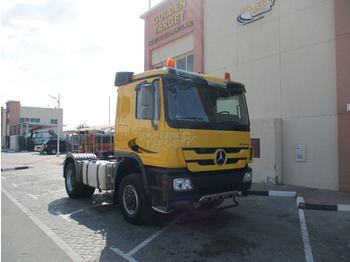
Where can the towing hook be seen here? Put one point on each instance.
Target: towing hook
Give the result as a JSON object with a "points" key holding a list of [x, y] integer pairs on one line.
{"points": [[236, 203]]}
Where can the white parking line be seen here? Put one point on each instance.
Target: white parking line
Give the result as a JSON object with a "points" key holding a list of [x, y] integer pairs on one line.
{"points": [[133, 251], [32, 196], [128, 255], [36, 197], [304, 233], [122, 254], [144, 243]]}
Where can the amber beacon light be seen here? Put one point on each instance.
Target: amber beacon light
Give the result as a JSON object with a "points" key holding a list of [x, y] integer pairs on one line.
{"points": [[170, 63]]}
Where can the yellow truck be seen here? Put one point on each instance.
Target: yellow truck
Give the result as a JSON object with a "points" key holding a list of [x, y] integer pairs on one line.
{"points": [[181, 138]]}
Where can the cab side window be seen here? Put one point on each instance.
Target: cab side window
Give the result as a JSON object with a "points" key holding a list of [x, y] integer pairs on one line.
{"points": [[148, 100]]}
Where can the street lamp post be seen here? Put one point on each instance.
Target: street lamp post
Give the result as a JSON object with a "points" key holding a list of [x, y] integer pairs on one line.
{"points": [[58, 126]]}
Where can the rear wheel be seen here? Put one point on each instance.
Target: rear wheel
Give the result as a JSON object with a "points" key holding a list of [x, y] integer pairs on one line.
{"points": [[74, 189], [133, 199], [53, 151]]}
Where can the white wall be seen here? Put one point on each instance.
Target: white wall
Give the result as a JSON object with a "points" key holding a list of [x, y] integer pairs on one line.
{"points": [[45, 114], [267, 168], [173, 49], [287, 62]]}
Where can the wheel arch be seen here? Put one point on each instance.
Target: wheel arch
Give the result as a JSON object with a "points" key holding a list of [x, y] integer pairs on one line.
{"points": [[129, 163], [77, 160]]}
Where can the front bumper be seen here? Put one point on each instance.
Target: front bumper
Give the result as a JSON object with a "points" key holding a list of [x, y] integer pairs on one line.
{"points": [[207, 186]]}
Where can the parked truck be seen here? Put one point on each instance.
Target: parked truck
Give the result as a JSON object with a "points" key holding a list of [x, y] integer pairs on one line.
{"points": [[181, 138]]}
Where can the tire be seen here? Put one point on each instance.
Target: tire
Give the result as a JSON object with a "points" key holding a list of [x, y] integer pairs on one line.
{"points": [[134, 203], [53, 151], [74, 189], [88, 191]]}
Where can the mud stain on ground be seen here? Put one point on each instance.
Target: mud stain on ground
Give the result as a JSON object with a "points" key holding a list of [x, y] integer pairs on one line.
{"points": [[227, 244]]}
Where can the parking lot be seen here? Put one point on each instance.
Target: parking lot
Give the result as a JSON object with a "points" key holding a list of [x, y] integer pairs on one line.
{"points": [[261, 228]]}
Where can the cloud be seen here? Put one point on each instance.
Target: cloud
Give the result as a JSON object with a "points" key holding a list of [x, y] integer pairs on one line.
{"points": [[51, 12], [55, 46]]}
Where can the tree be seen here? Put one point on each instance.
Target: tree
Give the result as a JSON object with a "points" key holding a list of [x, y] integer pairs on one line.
{"points": [[81, 126]]}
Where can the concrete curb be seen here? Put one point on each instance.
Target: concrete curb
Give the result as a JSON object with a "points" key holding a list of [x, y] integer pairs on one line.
{"points": [[14, 168], [272, 193], [300, 200]]}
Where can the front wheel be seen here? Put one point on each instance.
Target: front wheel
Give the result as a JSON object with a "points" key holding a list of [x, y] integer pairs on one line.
{"points": [[74, 189], [134, 203]]}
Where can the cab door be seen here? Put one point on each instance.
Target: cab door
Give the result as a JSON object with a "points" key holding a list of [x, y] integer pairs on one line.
{"points": [[124, 117], [148, 121]]}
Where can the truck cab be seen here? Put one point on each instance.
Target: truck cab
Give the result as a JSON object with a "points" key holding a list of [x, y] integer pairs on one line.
{"points": [[180, 137]]}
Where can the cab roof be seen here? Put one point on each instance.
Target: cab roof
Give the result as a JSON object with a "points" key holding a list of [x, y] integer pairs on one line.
{"points": [[123, 78]]}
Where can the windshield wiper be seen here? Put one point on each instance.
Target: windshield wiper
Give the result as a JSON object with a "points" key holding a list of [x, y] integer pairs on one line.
{"points": [[191, 118]]}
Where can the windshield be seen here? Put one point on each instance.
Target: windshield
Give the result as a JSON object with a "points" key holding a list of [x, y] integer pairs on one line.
{"points": [[202, 106]]}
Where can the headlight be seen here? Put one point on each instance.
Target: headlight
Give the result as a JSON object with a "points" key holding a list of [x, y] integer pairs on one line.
{"points": [[248, 177], [182, 184]]}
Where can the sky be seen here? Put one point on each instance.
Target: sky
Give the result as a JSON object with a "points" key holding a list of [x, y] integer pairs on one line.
{"points": [[72, 48]]}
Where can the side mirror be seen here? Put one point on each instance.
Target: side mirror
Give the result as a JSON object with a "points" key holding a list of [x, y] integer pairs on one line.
{"points": [[123, 78], [147, 101]]}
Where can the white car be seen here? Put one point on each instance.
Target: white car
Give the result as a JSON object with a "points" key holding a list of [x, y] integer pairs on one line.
{"points": [[38, 148]]}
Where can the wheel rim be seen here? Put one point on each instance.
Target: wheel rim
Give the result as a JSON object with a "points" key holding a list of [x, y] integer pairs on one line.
{"points": [[130, 199], [70, 181], [53, 151]]}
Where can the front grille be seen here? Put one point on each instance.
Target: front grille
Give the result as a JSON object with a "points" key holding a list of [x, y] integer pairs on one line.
{"points": [[204, 159], [207, 162]]}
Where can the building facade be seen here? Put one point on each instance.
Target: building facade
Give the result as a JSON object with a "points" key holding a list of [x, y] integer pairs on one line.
{"points": [[293, 57], [20, 120]]}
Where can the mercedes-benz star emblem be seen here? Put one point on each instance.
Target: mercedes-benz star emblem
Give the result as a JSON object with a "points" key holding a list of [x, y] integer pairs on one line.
{"points": [[220, 157]]}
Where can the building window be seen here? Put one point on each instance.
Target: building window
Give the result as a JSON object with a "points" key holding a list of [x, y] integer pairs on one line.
{"points": [[34, 120], [53, 121], [181, 63], [29, 120], [185, 63]]}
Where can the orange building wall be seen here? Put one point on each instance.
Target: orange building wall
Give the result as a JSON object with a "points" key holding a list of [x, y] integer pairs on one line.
{"points": [[342, 41], [192, 23]]}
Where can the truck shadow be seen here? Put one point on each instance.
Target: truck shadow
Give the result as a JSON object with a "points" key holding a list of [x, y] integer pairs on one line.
{"points": [[110, 237]]}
